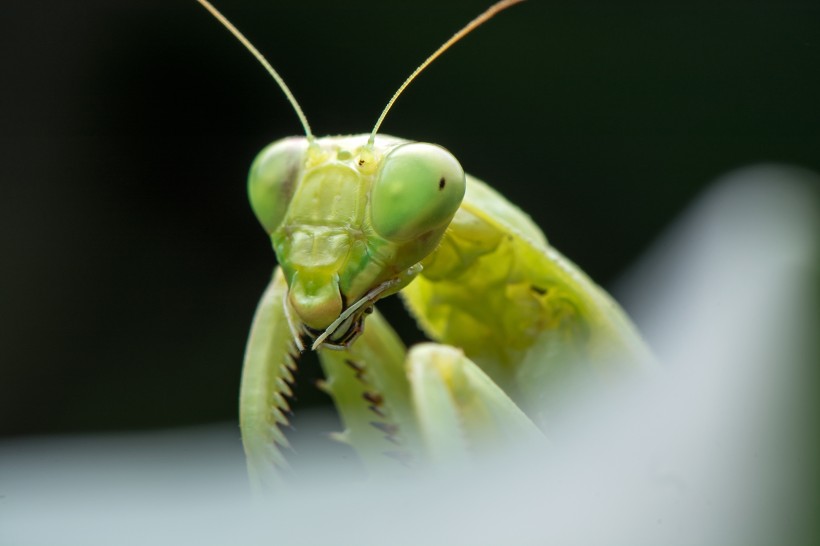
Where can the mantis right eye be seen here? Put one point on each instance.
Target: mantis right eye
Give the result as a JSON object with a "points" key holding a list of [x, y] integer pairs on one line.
{"points": [[272, 179], [418, 189]]}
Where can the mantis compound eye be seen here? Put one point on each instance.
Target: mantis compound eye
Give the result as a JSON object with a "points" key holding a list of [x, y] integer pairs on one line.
{"points": [[418, 189], [272, 180]]}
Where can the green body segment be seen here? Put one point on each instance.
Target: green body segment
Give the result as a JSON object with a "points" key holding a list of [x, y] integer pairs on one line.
{"points": [[515, 305], [432, 408], [369, 386], [460, 410]]}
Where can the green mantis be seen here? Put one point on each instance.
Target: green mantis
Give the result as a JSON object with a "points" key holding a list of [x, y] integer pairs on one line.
{"points": [[355, 219]]}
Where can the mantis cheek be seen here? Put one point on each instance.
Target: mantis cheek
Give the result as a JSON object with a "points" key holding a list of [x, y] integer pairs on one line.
{"points": [[316, 299]]}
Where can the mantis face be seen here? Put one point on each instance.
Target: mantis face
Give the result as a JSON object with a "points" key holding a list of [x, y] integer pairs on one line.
{"points": [[350, 222]]}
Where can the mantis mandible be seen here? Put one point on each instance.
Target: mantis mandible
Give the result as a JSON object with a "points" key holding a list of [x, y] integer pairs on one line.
{"points": [[354, 219]]}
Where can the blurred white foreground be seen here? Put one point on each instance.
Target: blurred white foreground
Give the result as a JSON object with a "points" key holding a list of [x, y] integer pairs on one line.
{"points": [[718, 449]]}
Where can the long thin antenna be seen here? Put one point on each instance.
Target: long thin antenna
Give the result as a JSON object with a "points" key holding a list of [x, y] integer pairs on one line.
{"points": [[478, 21], [264, 62]]}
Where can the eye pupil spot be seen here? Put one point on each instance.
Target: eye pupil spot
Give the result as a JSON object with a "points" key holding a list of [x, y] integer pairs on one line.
{"points": [[441, 183]]}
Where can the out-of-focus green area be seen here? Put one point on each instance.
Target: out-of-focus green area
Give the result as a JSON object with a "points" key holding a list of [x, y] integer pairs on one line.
{"points": [[130, 262]]}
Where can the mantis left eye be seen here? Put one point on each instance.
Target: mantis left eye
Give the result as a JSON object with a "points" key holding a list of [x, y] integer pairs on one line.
{"points": [[418, 189], [272, 179]]}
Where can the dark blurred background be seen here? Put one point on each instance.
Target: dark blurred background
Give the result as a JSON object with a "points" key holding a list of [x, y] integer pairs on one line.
{"points": [[130, 262]]}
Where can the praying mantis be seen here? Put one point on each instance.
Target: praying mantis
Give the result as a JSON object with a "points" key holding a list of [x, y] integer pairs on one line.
{"points": [[354, 219]]}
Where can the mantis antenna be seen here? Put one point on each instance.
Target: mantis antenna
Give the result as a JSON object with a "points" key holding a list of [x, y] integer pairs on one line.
{"points": [[264, 62], [472, 25]]}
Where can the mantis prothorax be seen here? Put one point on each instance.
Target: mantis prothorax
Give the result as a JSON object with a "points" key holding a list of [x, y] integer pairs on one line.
{"points": [[357, 218]]}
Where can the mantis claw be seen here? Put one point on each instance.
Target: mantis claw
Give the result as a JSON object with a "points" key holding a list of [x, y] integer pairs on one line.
{"points": [[267, 376], [294, 329]]}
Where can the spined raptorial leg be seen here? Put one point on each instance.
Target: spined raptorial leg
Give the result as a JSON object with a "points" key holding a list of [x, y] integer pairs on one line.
{"points": [[432, 407]]}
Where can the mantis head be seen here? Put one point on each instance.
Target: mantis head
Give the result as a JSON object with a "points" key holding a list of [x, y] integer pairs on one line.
{"points": [[350, 221]]}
